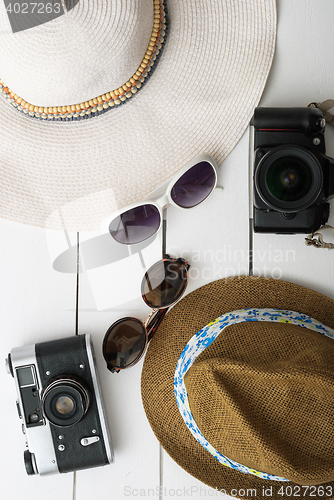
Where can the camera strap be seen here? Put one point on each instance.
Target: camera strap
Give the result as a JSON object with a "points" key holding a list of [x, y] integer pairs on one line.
{"points": [[316, 239], [325, 106]]}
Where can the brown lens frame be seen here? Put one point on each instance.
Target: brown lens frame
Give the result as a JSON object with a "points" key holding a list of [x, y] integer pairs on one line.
{"points": [[149, 328], [153, 321], [185, 265]]}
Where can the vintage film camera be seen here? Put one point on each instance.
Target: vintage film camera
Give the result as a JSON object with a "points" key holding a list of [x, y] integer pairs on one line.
{"points": [[293, 177], [60, 404]]}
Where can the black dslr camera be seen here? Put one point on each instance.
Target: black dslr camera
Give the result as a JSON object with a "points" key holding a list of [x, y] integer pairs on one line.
{"points": [[293, 177], [61, 407]]}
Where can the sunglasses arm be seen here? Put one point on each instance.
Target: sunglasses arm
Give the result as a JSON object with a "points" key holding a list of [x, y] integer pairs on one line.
{"points": [[153, 321]]}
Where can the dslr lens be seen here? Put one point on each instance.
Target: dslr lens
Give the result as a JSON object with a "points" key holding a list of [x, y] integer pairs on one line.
{"points": [[288, 179]]}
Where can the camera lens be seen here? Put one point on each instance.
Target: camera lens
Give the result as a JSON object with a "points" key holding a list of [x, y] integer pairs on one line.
{"points": [[288, 179], [65, 402], [64, 405]]}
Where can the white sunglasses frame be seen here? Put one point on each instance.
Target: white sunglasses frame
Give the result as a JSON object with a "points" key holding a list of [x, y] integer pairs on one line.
{"points": [[161, 196]]}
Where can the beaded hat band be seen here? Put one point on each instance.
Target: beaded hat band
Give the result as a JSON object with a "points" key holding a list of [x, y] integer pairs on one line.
{"points": [[109, 100], [59, 168]]}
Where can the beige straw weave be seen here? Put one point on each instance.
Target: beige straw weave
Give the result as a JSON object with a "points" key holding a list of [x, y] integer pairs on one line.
{"points": [[262, 393], [201, 96]]}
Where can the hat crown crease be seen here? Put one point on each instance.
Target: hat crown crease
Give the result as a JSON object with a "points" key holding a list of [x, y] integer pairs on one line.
{"points": [[237, 413]]}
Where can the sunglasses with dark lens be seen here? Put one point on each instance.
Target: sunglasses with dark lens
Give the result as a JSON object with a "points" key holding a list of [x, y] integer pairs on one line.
{"points": [[187, 189], [126, 340]]}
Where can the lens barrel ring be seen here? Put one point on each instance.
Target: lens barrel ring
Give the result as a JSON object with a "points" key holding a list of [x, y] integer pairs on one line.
{"points": [[68, 388], [305, 158]]}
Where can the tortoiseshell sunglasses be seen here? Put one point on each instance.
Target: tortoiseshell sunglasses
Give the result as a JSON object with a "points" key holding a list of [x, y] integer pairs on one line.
{"points": [[126, 340]]}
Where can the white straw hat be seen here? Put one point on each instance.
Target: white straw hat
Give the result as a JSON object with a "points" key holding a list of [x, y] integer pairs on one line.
{"points": [[60, 163]]}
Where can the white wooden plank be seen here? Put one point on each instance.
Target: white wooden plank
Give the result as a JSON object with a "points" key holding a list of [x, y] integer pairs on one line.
{"points": [[36, 304], [136, 464], [302, 72], [178, 483], [214, 237], [114, 271]]}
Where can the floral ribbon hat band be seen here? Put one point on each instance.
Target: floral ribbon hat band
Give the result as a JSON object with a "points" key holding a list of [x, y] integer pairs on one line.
{"points": [[199, 342], [246, 401]]}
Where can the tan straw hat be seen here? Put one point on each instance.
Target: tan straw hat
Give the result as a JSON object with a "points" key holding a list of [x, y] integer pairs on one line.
{"points": [[84, 131], [247, 405]]}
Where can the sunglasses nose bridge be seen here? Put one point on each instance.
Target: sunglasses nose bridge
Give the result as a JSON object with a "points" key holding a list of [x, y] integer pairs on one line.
{"points": [[154, 311], [158, 192], [162, 200]]}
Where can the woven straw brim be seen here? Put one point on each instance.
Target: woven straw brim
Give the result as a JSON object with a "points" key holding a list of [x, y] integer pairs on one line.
{"points": [[201, 97], [186, 318]]}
